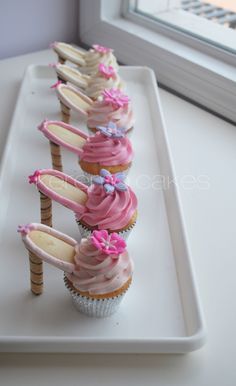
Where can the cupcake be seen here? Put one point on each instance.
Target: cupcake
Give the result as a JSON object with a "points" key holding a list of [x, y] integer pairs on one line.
{"points": [[111, 106], [111, 205], [108, 149], [102, 275], [96, 55], [107, 204], [98, 270], [105, 77], [88, 61]]}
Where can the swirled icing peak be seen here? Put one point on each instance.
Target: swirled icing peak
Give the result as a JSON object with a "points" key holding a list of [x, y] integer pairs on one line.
{"points": [[110, 205], [100, 269], [106, 77], [108, 148], [111, 106]]}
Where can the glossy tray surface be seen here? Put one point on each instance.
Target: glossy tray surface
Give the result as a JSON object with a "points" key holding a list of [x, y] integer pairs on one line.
{"points": [[161, 311]]}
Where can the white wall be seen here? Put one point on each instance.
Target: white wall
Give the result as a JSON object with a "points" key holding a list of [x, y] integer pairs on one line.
{"points": [[31, 25]]}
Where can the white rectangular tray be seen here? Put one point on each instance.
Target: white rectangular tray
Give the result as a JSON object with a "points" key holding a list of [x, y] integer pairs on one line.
{"points": [[161, 311]]}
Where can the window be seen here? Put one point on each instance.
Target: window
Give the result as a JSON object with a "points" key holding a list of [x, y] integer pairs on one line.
{"points": [[213, 21], [199, 71]]}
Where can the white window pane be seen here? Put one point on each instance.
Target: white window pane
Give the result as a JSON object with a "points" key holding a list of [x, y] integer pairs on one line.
{"points": [[213, 21]]}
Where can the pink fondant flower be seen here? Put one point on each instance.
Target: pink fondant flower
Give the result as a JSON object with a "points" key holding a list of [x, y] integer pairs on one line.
{"points": [[110, 244], [24, 229], [53, 44], [56, 84], [101, 49], [33, 179], [115, 97], [41, 127], [53, 65], [107, 71]]}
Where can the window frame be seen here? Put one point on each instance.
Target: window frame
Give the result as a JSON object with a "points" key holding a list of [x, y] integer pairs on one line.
{"points": [[189, 67], [183, 33]]}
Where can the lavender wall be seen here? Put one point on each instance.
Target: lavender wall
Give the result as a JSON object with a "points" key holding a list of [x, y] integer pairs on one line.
{"points": [[31, 25]]}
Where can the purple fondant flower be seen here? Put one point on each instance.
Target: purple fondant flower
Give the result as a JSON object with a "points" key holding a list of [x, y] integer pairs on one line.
{"points": [[33, 179], [110, 182], [108, 243], [107, 71], [24, 229], [101, 49], [111, 130], [115, 97]]}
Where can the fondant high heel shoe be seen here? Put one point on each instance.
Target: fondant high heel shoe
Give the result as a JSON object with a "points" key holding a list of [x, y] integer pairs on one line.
{"points": [[107, 204], [46, 244], [89, 60], [112, 106], [108, 149], [106, 77], [98, 270]]}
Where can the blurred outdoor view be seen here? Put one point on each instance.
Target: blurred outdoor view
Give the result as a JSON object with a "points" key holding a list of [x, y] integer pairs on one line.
{"points": [[213, 20]]}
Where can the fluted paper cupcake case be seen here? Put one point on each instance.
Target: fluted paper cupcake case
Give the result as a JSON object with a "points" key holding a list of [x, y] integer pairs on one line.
{"points": [[86, 232], [97, 308]]}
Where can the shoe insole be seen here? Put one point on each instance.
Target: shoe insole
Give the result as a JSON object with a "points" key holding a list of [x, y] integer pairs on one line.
{"points": [[72, 73], [64, 189], [71, 51], [53, 245], [66, 135], [76, 99]]}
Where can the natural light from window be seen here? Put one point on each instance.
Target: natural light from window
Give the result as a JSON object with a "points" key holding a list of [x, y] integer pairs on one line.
{"points": [[214, 21]]}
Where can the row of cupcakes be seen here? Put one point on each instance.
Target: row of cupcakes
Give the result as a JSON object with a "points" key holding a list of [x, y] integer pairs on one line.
{"points": [[98, 270]]}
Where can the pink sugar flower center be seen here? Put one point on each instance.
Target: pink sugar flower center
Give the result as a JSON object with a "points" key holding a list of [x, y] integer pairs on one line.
{"points": [[108, 244], [112, 180]]}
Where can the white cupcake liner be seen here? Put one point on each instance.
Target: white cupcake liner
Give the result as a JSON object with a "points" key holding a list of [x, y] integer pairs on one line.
{"points": [[86, 232], [96, 308]]}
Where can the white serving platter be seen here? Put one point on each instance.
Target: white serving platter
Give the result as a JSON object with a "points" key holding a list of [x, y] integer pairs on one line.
{"points": [[161, 312]]}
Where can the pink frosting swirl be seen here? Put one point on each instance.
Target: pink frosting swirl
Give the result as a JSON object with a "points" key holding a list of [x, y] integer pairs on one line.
{"points": [[109, 211], [98, 273], [107, 151], [102, 112]]}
